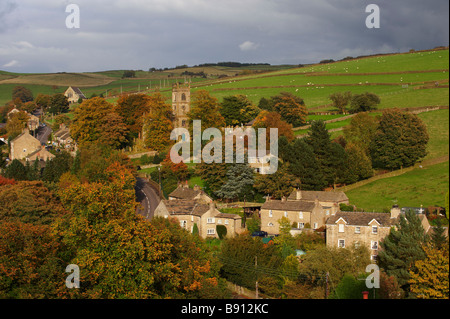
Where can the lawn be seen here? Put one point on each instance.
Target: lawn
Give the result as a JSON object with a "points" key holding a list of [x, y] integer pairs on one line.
{"points": [[426, 186]]}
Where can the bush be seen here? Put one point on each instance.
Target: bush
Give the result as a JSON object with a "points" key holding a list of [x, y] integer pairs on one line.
{"points": [[221, 231]]}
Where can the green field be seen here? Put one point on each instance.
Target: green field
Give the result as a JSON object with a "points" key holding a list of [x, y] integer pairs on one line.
{"points": [[426, 186]]}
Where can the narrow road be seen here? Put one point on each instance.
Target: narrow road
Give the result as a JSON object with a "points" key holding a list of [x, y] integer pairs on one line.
{"points": [[147, 197], [42, 134]]}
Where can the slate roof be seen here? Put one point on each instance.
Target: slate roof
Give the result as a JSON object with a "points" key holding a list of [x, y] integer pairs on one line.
{"points": [[299, 205], [185, 207], [78, 91], [320, 195], [363, 218], [184, 193]]}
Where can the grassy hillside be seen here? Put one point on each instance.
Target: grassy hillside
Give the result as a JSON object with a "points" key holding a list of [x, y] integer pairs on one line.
{"points": [[399, 80], [426, 186]]}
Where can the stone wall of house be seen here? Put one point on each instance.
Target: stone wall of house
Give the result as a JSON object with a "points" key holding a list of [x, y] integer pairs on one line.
{"points": [[23, 145]]}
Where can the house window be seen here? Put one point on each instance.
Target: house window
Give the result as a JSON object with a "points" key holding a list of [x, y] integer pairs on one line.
{"points": [[285, 214], [210, 221], [341, 228], [183, 224], [374, 230], [300, 215], [219, 221], [226, 221], [270, 213], [374, 245], [327, 212], [357, 230], [192, 218], [211, 231], [341, 243], [301, 225], [315, 225], [374, 258], [270, 224]]}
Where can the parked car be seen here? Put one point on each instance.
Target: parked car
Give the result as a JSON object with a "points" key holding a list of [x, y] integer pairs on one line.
{"points": [[259, 233]]}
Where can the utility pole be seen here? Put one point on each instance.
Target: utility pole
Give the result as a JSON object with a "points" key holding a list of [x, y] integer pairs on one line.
{"points": [[256, 271]]}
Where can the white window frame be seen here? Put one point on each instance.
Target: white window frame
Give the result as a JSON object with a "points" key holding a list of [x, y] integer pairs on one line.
{"points": [[376, 230], [301, 225], [300, 215], [270, 224], [210, 220], [341, 228], [285, 214], [341, 241], [358, 230], [226, 221], [183, 224], [316, 225], [211, 231], [270, 213]]}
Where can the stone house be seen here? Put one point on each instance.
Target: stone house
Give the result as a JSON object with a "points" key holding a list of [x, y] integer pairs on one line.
{"points": [[33, 122], [330, 201], [73, 94], [300, 214], [347, 229], [190, 212], [26, 147], [183, 191], [63, 138]]}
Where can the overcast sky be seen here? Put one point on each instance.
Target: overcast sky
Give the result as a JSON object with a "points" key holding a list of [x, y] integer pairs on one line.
{"points": [[139, 34]]}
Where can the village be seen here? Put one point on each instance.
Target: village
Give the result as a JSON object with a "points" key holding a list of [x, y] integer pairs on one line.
{"points": [[240, 226]]}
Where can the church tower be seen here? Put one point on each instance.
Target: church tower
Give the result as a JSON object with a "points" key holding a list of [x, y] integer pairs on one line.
{"points": [[181, 100]]}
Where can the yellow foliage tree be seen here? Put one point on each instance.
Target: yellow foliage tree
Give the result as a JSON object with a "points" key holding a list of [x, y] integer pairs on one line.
{"points": [[429, 278]]}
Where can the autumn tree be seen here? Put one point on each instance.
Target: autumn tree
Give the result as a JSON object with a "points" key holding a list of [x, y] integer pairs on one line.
{"points": [[16, 124], [400, 140], [132, 107], [206, 108], [22, 93], [359, 163], [429, 277], [121, 255], [291, 108], [158, 123], [91, 124], [270, 120]]}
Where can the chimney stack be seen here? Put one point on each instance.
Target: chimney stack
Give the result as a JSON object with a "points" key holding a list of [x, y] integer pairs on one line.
{"points": [[299, 194], [395, 211]]}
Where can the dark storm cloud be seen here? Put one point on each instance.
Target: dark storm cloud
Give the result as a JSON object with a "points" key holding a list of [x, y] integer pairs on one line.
{"points": [[139, 34]]}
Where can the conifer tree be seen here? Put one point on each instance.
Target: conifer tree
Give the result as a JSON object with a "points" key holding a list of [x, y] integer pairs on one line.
{"points": [[402, 247]]}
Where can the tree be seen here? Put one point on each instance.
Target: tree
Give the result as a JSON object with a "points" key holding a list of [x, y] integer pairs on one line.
{"points": [[361, 130], [206, 108], [58, 104], [438, 237], [95, 122], [341, 100], [57, 166], [402, 248], [400, 140], [237, 109], [16, 123], [42, 100], [279, 184], [364, 102], [22, 93], [291, 108], [157, 123], [429, 276], [114, 132], [330, 156], [132, 107], [270, 120], [359, 163], [303, 164], [239, 182], [16, 170], [29, 202], [178, 171]]}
